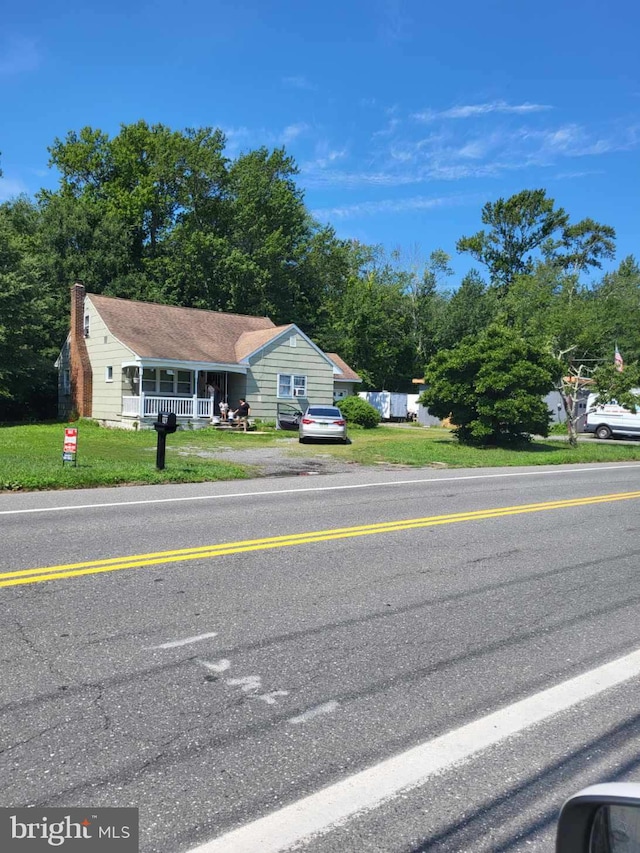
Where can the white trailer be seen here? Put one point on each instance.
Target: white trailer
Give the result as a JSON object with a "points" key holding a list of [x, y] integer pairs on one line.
{"points": [[392, 405]]}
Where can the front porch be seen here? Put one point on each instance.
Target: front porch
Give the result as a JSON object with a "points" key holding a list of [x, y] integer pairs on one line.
{"points": [[198, 397], [147, 406]]}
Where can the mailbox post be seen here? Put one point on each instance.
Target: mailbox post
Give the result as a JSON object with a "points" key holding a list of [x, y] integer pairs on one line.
{"points": [[165, 425]]}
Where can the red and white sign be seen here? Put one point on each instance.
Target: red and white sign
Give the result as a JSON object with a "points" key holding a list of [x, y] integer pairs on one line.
{"points": [[70, 440]]}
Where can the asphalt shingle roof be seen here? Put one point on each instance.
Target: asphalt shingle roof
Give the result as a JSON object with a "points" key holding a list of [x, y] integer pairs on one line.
{"points": [[346, 373], [188, 334]]}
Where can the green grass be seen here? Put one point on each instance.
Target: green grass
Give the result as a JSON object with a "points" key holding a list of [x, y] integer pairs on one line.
{"points": [[31, 456], [421, 447]]}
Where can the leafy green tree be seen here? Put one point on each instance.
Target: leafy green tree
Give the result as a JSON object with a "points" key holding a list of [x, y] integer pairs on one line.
{"points": [[620, 386], [468, 311], [492, 387], [517, 227], [527, 226], [29, 333], [373, 324], [616, 306]]}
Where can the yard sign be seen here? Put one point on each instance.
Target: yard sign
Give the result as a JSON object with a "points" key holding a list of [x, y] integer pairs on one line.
{"points": [[70, 448]]}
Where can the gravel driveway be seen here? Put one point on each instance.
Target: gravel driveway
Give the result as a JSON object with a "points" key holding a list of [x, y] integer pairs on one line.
{"points": [[283, 460]]}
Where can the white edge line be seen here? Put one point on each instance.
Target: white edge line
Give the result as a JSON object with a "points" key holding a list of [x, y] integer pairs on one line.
{"points": [[175, 643], [228, 495], [334, 805]]}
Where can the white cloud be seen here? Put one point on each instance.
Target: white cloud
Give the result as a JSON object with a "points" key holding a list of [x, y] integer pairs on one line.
{"points": [[567, 176], [389, 130], [18, 55], [293, 131], [475, 110], [369, 208]]}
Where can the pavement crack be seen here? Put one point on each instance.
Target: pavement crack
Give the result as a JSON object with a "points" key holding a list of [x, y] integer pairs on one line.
{"points": [[98, 702], [26, 639], [34, 737]]}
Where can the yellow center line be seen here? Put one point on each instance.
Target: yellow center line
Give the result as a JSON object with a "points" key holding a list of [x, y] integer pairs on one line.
{"points": [[46, 573]]}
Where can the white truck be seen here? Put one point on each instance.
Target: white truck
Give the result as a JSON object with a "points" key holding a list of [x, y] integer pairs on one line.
{"points": [[611, 419]]}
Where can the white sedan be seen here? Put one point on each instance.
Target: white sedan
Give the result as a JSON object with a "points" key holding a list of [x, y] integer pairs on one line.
{"points": [[323, 422]]}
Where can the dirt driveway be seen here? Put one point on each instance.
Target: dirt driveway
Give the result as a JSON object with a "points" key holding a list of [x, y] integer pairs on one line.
{"points": [[285, 459]]}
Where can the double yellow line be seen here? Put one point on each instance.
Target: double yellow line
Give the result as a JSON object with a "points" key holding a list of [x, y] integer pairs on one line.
{"points": [[70, 570]]}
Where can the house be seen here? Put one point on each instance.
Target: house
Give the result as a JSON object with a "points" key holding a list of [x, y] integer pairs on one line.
{"points": [[344, 382], [125, 361]]}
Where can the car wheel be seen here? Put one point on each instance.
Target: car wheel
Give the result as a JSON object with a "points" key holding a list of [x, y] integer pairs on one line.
{"points": [[603, 432], [302, 440]]}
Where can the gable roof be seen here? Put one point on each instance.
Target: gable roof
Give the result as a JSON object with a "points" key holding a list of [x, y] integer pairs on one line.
{"points": [[250, 342], [346, 373], [151, 330]]}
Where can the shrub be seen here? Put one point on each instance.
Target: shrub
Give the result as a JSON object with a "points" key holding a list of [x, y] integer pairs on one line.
{"points": [[492, 386], [358, 411]]}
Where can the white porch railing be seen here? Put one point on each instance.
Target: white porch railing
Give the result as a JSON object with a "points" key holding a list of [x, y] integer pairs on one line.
{"points": [[148, 405]]}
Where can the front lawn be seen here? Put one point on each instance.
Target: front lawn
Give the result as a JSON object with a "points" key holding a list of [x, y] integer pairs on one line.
{"points": [[31, 456]]}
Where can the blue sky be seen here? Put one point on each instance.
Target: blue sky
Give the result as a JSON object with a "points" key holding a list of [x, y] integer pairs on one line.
{"points": [[404, 116]]}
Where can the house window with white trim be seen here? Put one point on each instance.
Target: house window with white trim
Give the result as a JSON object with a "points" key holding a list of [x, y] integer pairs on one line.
{"points": [[167, 381], [86, 325], [167, 378], [149, 380], [183, 382], [108, 374], [291, 385]]}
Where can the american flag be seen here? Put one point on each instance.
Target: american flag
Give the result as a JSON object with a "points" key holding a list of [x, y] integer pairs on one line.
{"points": [[617, 359]]}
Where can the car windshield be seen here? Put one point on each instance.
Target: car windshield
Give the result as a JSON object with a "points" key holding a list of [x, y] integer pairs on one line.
{"points": [[324, 412]]}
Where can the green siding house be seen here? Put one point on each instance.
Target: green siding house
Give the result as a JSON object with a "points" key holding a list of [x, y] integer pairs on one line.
{"points": [[125, 361]]}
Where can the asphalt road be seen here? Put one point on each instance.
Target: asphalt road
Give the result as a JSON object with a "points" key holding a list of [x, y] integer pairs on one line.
{"points": [[252, 644]]}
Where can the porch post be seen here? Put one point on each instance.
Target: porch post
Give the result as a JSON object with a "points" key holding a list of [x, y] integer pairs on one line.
{"points": [[141, 413]]}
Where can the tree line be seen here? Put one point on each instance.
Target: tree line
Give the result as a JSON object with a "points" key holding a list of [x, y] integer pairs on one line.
{"points": [[167, 216]]}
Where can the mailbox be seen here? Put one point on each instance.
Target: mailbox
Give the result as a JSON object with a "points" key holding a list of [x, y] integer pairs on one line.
{"points": [[166, 423], [164, 426]]}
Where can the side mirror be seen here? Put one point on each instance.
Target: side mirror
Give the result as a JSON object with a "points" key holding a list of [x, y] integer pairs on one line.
{"points": [[601, 819]]}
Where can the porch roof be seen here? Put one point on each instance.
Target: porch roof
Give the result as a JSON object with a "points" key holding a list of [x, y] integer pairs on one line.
{"points": [[178, 364]]}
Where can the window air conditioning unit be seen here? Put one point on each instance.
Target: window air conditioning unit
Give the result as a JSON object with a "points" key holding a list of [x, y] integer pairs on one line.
{"points": [[298, 392]]}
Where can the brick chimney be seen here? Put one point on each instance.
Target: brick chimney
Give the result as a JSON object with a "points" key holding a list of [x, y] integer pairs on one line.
{"points": [[81, 375]]}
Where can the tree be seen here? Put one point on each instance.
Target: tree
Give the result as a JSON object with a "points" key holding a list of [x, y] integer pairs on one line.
{"points": [[529, 223], [30, 332], [373, 325], [468, 311], [620, 386], [492, 387], [518, 226]]}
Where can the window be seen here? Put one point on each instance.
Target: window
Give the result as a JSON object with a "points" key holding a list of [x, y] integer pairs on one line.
{"points": [[108, 374], [183, 382], [293, 341], [66, 381], [299, 386], [291, 385], [86, 325], [149, 380], [168, 382], [167, 378]]}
